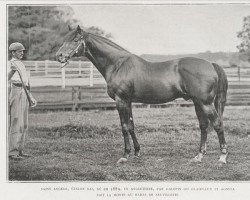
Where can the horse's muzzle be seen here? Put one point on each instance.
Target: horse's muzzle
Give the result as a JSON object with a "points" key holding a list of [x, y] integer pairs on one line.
{"points": [[62, 58]]}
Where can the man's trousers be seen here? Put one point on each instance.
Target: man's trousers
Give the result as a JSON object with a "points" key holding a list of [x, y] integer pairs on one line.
{"points": [[18, 123]]}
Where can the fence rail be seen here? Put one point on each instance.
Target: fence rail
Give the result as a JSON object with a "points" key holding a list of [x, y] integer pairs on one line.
{"points": [[52, 69], [87, 71], [86, 97], [87, 87]]}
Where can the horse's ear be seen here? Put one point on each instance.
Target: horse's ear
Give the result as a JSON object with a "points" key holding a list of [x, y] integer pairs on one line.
{"points": [[79, 29], [70, 29]]}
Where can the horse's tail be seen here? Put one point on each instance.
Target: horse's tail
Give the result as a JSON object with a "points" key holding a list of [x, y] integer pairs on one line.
{"points": [[221, 95]]}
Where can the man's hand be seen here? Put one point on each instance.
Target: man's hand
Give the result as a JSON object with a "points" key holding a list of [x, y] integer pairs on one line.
{"points": [[33, 101]]}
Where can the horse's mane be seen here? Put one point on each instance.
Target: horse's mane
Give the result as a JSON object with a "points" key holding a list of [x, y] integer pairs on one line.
{"points": [[107, 41]]}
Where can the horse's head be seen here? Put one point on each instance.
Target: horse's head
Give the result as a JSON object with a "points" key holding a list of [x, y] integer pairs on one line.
{"points": [[72, 46]]}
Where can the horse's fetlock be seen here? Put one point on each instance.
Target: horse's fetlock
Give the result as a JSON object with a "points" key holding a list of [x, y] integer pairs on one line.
{"points": [[223, 148], [127, 152], [218, 128], [137, 148]]}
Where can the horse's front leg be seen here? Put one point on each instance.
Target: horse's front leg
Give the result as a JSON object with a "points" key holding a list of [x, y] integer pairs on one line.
{"points": [[124, 110]]}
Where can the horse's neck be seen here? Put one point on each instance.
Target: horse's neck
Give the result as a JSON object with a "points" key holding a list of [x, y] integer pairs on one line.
{"points": [[105, 57]]}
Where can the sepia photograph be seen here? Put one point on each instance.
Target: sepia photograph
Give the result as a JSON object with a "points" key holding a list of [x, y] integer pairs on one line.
{"points": [[126, 99]]}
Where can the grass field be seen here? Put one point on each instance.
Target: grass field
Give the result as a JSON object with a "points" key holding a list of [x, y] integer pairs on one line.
{"points": [[86, 146]]}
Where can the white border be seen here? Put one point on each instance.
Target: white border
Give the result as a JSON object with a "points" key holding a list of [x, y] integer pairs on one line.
{"points": [[32, 190]]}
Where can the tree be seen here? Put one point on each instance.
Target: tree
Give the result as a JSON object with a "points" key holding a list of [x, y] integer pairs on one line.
{"points": [[41, 28], [244, 36], [98, 31]]}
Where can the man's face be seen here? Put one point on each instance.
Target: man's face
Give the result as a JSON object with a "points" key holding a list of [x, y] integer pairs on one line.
{"points": [[18, 54]]}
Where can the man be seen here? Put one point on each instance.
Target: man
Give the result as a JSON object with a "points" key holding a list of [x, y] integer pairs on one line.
{"points": [[18, 102]]}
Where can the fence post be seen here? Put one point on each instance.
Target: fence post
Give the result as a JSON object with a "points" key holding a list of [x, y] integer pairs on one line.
{"points": [[91, 75], [74, 98], [28, 74], [238, 72], [79, 66], [63, 77], [36, 66], [46, 67]]}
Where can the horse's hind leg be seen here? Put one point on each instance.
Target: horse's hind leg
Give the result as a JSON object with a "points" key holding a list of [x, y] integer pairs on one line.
{"points": [[218, 127], [203, 122]]}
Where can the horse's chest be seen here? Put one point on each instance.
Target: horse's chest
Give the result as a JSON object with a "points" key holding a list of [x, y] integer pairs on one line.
{"points": [[122, 88]]}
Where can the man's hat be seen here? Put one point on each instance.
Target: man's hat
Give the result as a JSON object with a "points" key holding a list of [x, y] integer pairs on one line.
{"points": [[16, 46]]}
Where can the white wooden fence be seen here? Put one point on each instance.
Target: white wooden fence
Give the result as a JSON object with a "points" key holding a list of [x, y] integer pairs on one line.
{"points": [[87, 71], [52, 69]]}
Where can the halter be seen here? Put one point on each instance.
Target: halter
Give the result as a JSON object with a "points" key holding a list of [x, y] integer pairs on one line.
{"points": [[82, 42]]}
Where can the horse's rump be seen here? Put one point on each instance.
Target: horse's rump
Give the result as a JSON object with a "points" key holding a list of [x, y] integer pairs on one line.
{"points": [[199, 79]]}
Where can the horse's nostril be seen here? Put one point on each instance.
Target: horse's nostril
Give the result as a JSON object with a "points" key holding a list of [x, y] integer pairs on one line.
{"points": [[59, 55]]}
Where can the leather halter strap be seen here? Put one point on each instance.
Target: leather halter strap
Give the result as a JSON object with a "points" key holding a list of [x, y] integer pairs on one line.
{"points": [[82, 42]]}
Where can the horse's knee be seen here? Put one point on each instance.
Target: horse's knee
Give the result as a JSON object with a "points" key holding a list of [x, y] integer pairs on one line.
{"points": [[125, 129], [204, 125], [208, 109]]}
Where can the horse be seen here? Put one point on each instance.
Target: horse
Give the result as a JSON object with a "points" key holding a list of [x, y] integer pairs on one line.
{"points": [[130, 79]]}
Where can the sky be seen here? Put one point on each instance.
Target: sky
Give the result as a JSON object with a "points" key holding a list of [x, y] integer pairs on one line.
{"points": [[168, 29]]}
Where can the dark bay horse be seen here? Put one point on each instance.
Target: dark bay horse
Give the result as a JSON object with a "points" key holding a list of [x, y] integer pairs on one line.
{"points": [[131, 79]]}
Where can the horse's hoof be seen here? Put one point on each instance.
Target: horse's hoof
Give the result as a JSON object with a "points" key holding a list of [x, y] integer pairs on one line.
{"points": [[195, 160], [223, 160], [220, 164], [122, 160]]}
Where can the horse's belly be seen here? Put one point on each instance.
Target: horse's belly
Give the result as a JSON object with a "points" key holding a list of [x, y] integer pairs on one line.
{"points": [[152, 100], [155, 95]]}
